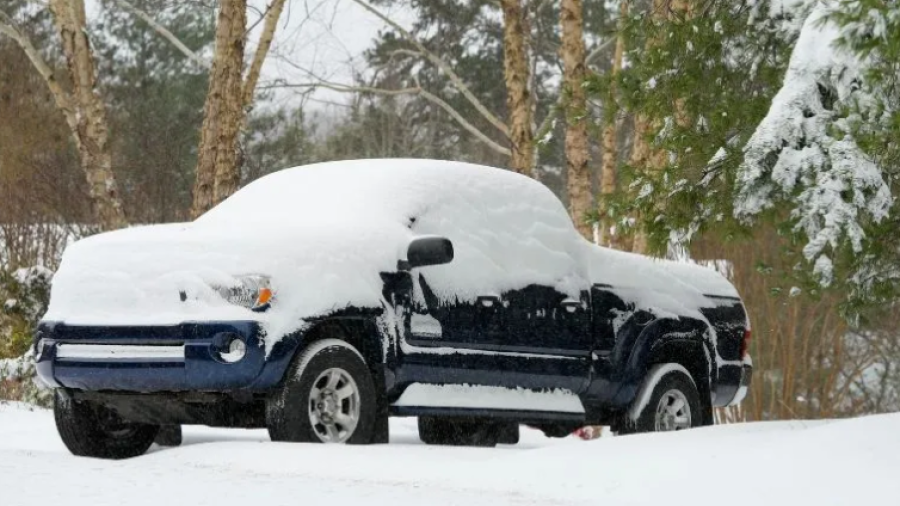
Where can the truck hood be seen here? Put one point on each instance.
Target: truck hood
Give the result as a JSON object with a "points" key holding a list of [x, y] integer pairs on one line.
{"points": [[137, 276]]}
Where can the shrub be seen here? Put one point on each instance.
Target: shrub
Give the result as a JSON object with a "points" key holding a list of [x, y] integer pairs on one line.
{"points": [[24, 294]]}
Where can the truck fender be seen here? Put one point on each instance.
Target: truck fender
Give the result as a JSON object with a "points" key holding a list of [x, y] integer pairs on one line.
{"points": [[360, 332], [667, 340]]}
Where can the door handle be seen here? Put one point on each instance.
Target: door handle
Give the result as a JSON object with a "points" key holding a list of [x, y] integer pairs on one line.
{"points": [[571, 305], [488, 300]]}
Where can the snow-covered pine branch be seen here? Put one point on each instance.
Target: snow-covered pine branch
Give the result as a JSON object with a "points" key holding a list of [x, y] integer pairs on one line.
{"points": [[804, 153]]}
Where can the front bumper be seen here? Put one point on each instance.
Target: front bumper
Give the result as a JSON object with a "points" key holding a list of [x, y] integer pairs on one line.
{"points": [[149, 359]]}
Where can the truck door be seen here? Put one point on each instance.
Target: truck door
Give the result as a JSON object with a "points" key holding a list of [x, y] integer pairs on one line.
{"points": [[513, 307], [535, 338], [553, 329]]}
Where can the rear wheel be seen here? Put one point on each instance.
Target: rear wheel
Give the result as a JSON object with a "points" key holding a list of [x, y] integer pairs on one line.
{"points": [[329, 397], [90, 429], [670, 403]]}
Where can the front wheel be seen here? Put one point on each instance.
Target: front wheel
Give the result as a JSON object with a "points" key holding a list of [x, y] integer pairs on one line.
{"points": [[669, 401], [328, 397], [89, 429]]}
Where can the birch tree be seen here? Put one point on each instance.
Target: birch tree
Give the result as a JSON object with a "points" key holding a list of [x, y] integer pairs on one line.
{"points": [[79, 101]]}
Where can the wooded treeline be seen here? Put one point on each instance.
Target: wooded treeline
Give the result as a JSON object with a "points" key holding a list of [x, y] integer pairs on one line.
{"points": [[646, 117]]}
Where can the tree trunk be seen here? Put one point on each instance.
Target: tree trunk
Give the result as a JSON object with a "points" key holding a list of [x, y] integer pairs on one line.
{"points": [[609, 165], [577, 148], [648, 160], [86, 114], [644, 157], [218, 172], [518, 99], [262, 50]]}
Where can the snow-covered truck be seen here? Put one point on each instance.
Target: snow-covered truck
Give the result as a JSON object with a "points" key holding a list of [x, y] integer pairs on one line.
{"points": [[320, 300]]}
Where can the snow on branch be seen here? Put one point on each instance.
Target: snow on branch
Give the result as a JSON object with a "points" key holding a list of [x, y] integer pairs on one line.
{"points": [[62, 98], [803, 151]]}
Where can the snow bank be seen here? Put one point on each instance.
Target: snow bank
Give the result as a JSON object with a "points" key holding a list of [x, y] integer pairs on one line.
{"points": [[834, 463]]}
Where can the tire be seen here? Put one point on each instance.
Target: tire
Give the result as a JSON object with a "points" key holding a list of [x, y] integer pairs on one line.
{"points": [[466, 432], [508, 433], [328, 397], [169, 435], [673, 403], [89, 429]]}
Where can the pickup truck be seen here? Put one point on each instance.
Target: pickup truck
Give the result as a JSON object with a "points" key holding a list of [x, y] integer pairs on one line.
{"points": [[319, 301]]}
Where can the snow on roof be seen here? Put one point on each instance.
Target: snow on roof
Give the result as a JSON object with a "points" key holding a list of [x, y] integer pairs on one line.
{"points": [[323, 233], [360, 190]]}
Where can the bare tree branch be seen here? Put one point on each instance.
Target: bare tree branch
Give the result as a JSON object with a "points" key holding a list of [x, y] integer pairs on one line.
{"points": [[554, 111], [62, 98], [595, 53], [462, 122], [550, 118], [442, 65], [417, 90], [273, 12], [160, 29]]}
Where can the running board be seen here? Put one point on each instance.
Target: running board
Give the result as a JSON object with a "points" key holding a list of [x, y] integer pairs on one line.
{"points": [[526, 417], [490, 398]]}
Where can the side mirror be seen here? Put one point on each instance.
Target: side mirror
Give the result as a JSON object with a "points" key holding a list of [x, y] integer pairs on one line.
{"points": [[428, 250]]}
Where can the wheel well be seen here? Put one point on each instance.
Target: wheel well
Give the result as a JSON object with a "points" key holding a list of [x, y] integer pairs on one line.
{"points": [[360, 334], [693, 356]]}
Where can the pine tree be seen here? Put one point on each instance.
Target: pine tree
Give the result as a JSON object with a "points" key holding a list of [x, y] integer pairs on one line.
{"points": [[698, 85], [155, 95]]}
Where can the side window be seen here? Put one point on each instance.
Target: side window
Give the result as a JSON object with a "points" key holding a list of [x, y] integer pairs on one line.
{"points": [[517, 259], [504, 241]]}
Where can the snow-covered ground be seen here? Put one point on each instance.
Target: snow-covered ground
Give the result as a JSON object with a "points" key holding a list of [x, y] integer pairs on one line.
{"points": [[853, 462]]}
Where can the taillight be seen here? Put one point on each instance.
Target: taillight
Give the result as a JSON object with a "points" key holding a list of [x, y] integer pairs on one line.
{"points": [[745, 343]]}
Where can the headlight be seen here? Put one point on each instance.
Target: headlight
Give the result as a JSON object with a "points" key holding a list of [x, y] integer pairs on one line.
{"points": [[252, 292]]}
